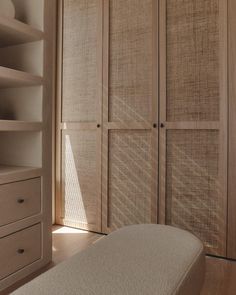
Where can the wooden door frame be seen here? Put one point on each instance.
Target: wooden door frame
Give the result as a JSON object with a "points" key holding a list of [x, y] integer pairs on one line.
{"points": [[220, 125], [231, 243], [108, 126], [58, 205]]}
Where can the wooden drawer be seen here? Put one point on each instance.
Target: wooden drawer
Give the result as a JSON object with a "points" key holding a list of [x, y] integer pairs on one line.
{"points": [[19, 200], [19, 249]]}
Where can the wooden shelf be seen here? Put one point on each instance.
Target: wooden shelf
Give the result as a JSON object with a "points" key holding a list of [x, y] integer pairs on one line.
{"points": [[16, 173], [13, 78], [11, 125], [13, 32]]}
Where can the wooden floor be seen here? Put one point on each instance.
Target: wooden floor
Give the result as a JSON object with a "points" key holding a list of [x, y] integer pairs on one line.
{"points": [[68, 241], [220, 277], [220, 273]]}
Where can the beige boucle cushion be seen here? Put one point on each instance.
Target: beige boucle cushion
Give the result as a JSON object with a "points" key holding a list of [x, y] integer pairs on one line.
{"points": [[135, 260]]}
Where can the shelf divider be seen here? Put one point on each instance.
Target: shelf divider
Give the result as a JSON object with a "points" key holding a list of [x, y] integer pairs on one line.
{"points": [[14, 125], [13, 78], [13, 32]]}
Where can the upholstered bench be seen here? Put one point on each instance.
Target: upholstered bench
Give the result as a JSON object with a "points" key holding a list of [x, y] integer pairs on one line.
{"points": [[135, 260]]}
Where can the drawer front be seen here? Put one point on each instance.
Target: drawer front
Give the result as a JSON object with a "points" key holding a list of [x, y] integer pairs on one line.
{"points": [[19, 200], [19, 250]]}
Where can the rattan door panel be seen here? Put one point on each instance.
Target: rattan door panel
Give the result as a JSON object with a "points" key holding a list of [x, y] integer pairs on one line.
{"points": [[80, 179], [130, 60], [193, 116], [193, 192], [79, 85], [193, 89], [130, 178]]}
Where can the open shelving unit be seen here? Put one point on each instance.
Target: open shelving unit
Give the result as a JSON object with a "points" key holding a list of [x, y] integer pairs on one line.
{"points": [[14, 32], [27, 61]]}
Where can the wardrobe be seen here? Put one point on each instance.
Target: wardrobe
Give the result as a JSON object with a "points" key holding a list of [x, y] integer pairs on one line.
{"points": [[145, 116]]}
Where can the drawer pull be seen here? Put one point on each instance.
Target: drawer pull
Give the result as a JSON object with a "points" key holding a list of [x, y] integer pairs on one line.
{"points": [[20, 251], [20, 201]]}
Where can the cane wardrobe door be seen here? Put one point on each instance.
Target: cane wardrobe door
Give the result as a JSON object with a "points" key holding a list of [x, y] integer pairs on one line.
{"points": [[129, 162], [193, 112], [81, 114]]}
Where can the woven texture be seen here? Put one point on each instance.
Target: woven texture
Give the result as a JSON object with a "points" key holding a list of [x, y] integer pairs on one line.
{"points": [[130, 60], [147, 259], [130, 178], [193, 60], [193, 191], [79, 61], [80, 177]]}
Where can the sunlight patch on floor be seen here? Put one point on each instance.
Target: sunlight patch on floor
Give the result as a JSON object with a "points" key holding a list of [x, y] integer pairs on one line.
{"points": [[69, 230], [54, 249]]}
